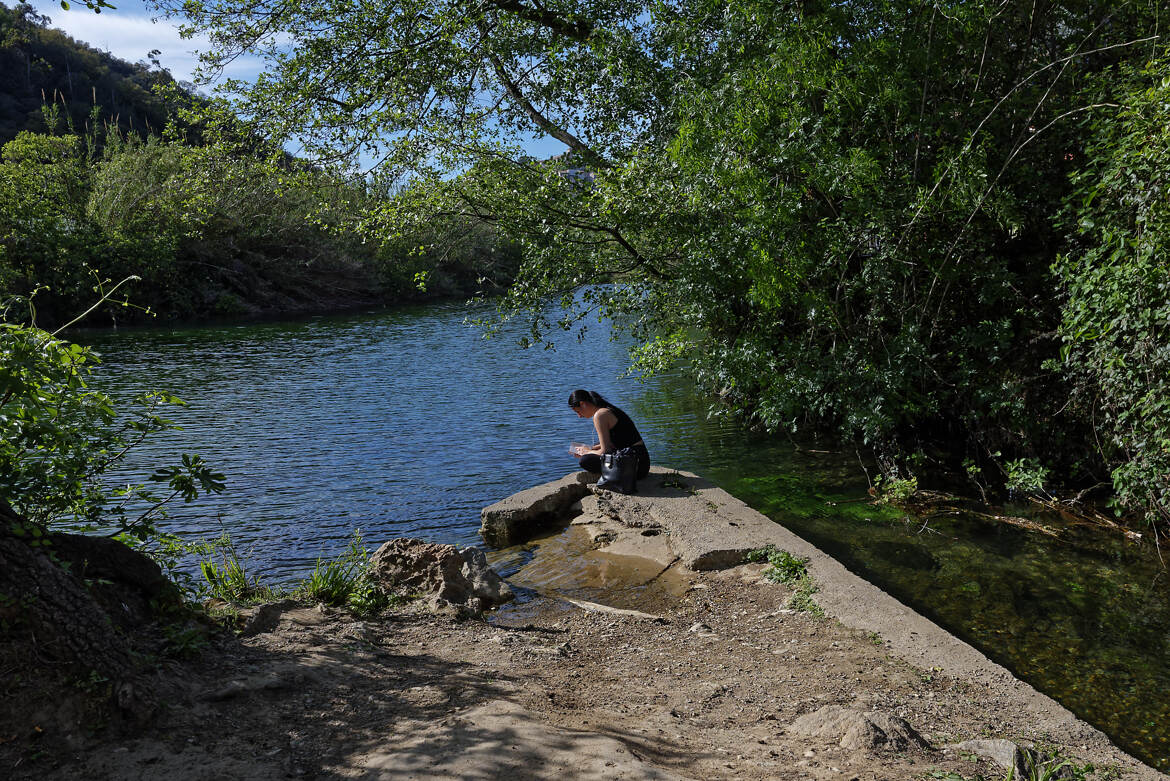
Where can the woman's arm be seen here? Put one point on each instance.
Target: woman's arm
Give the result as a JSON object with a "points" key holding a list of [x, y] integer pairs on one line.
{"points": [[603, 421]]}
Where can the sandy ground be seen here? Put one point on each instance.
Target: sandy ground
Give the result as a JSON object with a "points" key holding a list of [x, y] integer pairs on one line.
{"points": [[549, 690]]}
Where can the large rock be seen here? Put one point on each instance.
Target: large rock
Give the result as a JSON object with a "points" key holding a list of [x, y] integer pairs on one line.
{"points": [[854, 729], [443, 573], [484, 580], [520, 516]]}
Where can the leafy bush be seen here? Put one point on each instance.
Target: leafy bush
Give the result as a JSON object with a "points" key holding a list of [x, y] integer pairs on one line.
{"points": [[792, 571], [893, 489], [802, 596], [330, 582], [1116, 319], [1025, 476], [59, 439], [346, 581], [782, 567], [228, 579]]}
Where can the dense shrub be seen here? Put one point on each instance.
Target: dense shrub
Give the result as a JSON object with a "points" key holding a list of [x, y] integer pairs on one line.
{"points": [[1116, 325]]}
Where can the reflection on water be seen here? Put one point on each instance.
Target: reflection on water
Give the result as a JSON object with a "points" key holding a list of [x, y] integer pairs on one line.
{"points": [[407, 423]]}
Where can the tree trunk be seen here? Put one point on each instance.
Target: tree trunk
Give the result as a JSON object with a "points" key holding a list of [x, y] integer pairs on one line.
{"points": [[66, 624]]}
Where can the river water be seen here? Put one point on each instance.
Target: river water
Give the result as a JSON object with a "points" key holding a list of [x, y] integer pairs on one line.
{"points": [[406, 423]]}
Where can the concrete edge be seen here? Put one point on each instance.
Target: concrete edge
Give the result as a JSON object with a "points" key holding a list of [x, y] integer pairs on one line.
{"points": [[916, 639], [858, 604]]}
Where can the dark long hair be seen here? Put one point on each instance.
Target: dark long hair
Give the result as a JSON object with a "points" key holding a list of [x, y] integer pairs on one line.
{"points": [[593, 397]]}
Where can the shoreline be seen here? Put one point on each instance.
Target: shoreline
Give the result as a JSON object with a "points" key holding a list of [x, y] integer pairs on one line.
{"points": [[290, 315], [646, 651]]}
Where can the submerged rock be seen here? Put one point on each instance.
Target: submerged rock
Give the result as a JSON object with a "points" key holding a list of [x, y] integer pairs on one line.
{"points": [[446, 575]]}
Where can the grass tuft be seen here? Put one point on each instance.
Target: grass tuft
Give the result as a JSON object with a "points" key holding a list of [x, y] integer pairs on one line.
{"points": [[792, 571]]}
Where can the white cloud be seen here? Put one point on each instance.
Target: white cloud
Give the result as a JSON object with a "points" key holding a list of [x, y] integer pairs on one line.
{"points": [[129, 35]]}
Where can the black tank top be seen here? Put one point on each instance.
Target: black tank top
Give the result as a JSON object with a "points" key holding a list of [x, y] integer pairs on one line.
{"points": [[624, 433]]}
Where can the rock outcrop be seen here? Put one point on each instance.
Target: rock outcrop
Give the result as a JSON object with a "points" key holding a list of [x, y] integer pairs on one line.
{"points": [[520, 516], [444, 574], [854, 729]]}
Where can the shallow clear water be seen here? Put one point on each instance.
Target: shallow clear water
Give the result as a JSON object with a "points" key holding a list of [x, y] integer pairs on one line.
{"points": [[408, 422]]}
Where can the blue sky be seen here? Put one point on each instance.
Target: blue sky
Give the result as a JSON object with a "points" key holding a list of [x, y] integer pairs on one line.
{"points": [[129, 31]]}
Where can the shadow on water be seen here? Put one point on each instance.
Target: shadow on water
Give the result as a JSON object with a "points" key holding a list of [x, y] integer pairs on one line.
{"points": [[406, 423]]}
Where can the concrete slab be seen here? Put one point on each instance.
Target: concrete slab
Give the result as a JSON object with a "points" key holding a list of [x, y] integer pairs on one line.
{"points": [[708, 528], [522, 515], [641, 543]]}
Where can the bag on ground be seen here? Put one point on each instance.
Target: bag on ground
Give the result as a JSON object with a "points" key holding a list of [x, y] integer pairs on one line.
{"points": [[619, 471]]}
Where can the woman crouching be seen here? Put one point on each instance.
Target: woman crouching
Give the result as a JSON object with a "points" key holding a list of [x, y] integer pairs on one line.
{"points": [[615, 431]]}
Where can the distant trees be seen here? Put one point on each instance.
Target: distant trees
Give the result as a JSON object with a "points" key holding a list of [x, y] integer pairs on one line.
{"points": [[46, 240], [836, 214], [223, 227]]}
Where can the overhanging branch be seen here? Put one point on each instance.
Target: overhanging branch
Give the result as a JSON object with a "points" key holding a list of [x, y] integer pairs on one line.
{"points": [[543, 122], [575, 27]]}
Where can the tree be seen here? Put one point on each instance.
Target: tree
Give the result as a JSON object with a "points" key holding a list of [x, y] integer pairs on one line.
{"points": [[836, 214]]}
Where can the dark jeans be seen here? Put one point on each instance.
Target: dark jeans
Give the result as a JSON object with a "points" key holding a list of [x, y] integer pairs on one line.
{"points": [[592, 462]]}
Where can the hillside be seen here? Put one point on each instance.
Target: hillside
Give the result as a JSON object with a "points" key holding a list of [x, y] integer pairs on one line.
{"points": [[39, 64]]}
